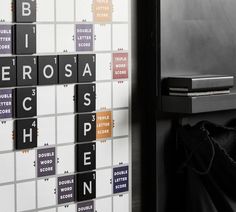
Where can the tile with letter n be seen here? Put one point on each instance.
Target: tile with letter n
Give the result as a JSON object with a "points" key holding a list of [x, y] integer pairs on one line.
{"points": [[86, 127], [68, 70], [7, 72], [25, 39], [47, 70], [25, 11], [26, 134], [86, 98], [86, 186], [26, 70], [87, 67], [26, 102], [86, 157]]}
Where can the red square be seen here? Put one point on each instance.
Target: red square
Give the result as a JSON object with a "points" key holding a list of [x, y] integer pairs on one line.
{"points": [[120, 66]]}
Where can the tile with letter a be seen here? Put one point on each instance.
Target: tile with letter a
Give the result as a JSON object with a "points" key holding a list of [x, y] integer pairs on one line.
{"points": [[86, 186], [87, 67], [26, 134], [26, 70], [86, 157], [86, 97], [26, 102], [25, 42], [7, 72], [25, 11], [86, 127]]}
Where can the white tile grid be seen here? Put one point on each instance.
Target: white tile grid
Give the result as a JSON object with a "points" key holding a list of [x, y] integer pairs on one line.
{"points": [[109, 51]]}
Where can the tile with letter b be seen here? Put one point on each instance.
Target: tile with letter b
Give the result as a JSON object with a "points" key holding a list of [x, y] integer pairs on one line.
{"points": [[7, 198], [25, 11], [86, 157], [27, 70], [26, 134], [26, 102], [86, 127], [6, 37], [87, 67], [7, 72], [68, 70], [26, 196], [47, 70], [25, 42], [86, 186], [86, 94], [6, 135]]}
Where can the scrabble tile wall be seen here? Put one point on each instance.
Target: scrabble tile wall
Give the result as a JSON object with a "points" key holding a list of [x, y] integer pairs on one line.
{"points": [[65, 141]]}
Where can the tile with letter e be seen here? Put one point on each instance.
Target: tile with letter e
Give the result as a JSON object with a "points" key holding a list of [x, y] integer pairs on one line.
{"points": [[86, 127], [86, 186], [86, 97], [25, 39], [87, 67], [26, 70], [26, 102], [26, 134], [86, 157], [7, 72], [47, 70], [67, 69], [25, 11]]}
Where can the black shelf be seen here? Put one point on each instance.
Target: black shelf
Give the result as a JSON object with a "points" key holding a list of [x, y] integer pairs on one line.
{"points": [[201, 104]]}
